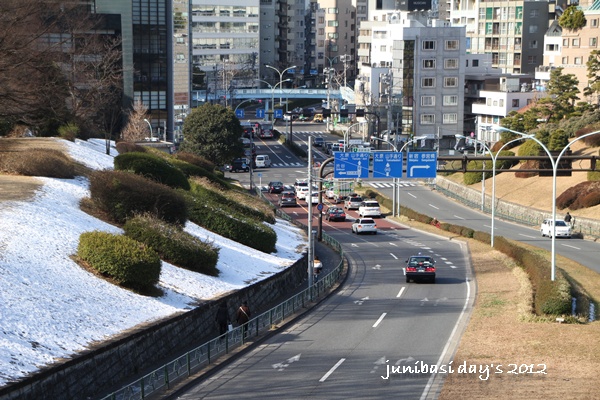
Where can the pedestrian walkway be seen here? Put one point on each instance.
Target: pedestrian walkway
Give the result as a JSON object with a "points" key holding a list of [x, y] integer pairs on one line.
{"points": [[389, 184]]}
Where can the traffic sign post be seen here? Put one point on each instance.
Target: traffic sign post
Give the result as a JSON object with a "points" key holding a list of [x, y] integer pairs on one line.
{"points": [[260, 113], [278, 113], [239, 113], [351, 165], [387, 165], [421, 164]]}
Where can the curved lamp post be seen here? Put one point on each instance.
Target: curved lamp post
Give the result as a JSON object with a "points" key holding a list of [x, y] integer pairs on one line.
{"points": [[555, 164], [273, 87], [150, 125], [280, 77], [396, 189]]}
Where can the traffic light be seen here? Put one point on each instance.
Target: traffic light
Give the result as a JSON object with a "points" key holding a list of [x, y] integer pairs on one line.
{"points": [[326, 113], [344, 113], [360, 112]]}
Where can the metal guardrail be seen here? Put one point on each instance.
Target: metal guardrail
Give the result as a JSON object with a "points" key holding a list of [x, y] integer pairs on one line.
{"points": [[202, 356]]}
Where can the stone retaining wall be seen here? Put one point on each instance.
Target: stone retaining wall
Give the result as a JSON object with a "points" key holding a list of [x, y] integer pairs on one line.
{"points": [[100, 369]]}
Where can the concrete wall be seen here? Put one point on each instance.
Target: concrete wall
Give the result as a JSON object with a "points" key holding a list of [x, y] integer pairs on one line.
{"points": [[99, 370], [588, 228]]}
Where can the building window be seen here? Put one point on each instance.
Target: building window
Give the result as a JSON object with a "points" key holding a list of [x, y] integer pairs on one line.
{"points": [[575, 42], [451, 63], [515, 103], [593, 42], [429, 64], [565, 60], [450, 118], [332, 35], [333, 23], [534, 13], [533, 44], [428, 101], [552, 47], [531, 60], [450, 81], [451, 100], [427, 119], [594, 23], [429, 45], [427, 82], [332, 11], [578, 60], [533, 28], [452, 44], [565, 42]]}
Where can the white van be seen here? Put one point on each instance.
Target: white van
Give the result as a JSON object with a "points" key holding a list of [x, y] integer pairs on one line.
{"points": [[262, 161]]}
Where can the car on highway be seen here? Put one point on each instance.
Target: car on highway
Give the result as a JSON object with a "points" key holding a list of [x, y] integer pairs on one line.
{"points": [[353, 202], [287, 199], [420, 267], [318, 118], [318, 141], [364, 225], [275, 187], [369, 208], [335, 214], [302, 192], [262, 161], [239, 164], [562, 229], [314, 198]]}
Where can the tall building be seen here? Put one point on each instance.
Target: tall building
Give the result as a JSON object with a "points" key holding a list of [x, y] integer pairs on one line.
{"points": [[511, 31]]}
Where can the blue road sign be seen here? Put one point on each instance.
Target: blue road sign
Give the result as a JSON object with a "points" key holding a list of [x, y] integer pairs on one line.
{"points": [[239, 113], [260, 113], [278, 113], [351, 165], [421, 164], [387, 164]]}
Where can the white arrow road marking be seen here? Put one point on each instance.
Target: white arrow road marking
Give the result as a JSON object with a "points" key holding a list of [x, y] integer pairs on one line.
{"points": [[381, 361], [423, 301], [331, 370], [354, 245], [392, 244], [379, 320], [438, 300], [392, 254], [283, 365], [377, 266], [408, 360], [359, 302]]}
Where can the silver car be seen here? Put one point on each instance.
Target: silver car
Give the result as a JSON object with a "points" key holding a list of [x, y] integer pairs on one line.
{"points": [[364, 225], [353, 202], [561, 228]]}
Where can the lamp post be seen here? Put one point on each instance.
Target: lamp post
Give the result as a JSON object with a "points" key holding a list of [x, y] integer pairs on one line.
{"points": [[280, 76], [347, 134], [395, 190], [328, 72], [150, 125], [273, 87]]}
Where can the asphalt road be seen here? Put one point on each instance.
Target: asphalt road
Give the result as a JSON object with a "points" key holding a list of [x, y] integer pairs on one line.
{"points": [[358, 342]]}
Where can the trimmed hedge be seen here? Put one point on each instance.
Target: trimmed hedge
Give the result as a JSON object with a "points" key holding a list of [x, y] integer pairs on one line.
{"points": [[153, 167], [128, 147], [173, 244], [232, 225], [122, 195], [191, 170], [127, 261]]}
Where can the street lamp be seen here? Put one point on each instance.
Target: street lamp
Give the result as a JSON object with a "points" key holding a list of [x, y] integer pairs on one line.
{"points": [[347, 134], [273, 91], [396, 187], [150, 125], [328, 72], [280, 75]]}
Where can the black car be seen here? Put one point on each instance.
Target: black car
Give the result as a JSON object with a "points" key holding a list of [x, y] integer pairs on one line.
{"points": [[239, 164], [318, 141], [335, 214], [275, 187], [288, 199], [420, 267]]}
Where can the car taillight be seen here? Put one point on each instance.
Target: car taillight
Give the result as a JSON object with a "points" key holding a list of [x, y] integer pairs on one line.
{"points": [[430, 269], [411, 269]]}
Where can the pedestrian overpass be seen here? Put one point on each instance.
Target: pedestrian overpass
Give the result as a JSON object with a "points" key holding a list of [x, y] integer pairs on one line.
{"points": [[344, 93]]}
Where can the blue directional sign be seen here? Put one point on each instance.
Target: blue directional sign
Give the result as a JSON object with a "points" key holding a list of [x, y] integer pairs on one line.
{"points": [[421, 164], [278, 113], [351, 165], [260, 113], [239, 113], [387, 164]]}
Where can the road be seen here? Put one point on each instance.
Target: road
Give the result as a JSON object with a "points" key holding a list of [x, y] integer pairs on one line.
{"points": [[353, 343]]}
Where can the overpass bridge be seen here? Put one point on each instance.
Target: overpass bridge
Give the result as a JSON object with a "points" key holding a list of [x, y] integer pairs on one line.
{"points": [[346, 94]]}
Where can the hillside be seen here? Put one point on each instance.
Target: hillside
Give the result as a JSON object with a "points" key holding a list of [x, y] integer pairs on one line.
{"points": [[51, 308]]}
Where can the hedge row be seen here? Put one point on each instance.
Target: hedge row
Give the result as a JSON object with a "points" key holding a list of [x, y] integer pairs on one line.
{"points": [[235, 226], [173, 244], [152, 166], [127, 261]]}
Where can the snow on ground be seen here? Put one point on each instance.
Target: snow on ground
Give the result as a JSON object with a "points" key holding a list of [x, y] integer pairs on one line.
{"points": [[51, 308]]}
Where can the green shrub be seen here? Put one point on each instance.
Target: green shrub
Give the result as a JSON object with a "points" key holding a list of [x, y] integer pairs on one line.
{"points": [[153, 167], [68, 131], [505, 164], [128, 147], [38, 162], [192, 170], [553, 297], [122, 195], [195, 160], [593, 176], [470, 178], [235, 226], [127, 261], [529, 148], [173, 244]]}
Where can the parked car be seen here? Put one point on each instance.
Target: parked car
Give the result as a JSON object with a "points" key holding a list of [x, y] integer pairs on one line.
{"points": [[262, 161], [353, 202], [288, 199], [562, 228], [420, 267], [364, 225], [335, 214], [369, 208], [318, 141], [275, 187]]}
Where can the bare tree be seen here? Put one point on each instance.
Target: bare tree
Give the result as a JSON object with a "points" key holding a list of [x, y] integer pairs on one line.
{"points": [[137, 128]]}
